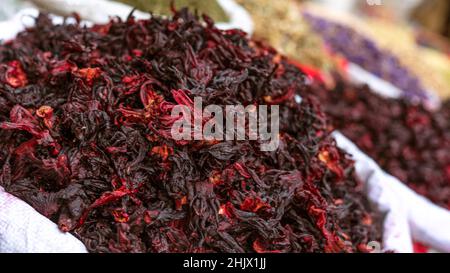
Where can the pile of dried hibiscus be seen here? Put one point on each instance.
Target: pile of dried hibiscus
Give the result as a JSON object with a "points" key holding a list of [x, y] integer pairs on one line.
{"points": [[85, 114], [407, 140]]}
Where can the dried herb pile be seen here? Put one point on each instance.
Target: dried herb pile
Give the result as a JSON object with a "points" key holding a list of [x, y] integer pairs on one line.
{"points": [[407, 140], [85, 139], [162, 7], [365, 52], [288, 32]]}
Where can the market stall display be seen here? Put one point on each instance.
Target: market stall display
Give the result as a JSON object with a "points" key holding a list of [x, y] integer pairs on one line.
{"points": [[89, 157], [85, 141]]}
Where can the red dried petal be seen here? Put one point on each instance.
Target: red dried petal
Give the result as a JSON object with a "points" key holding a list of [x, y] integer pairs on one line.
{"points": [[89, 74], [254, 204], [15, 75], [120, 216]]}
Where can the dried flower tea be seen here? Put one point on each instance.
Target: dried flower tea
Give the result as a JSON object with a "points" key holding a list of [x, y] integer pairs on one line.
{"points": [[407, 140], [85, 115]]}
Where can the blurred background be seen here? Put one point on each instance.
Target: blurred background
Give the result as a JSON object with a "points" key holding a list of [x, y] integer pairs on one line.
{"points": [[382, 37], [433, 15]]}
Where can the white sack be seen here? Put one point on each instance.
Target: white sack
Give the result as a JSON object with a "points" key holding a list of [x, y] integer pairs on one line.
{"points": [[427, 223], [24, 230]]}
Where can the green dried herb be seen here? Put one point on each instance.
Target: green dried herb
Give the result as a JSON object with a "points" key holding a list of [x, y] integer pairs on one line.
{"points": [[162, 7]]}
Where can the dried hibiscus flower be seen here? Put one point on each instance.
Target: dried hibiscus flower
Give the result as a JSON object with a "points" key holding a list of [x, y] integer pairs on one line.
{"points": [[84, 139], [407, 140]]}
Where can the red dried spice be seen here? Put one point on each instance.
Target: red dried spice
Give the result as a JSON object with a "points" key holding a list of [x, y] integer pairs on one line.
{"points": [[407, 140], [86, 141]]}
